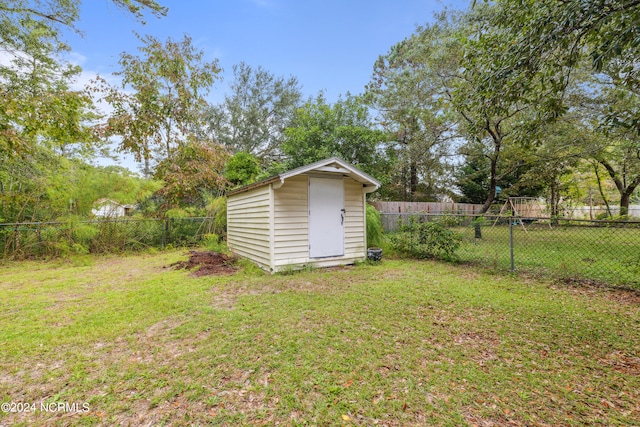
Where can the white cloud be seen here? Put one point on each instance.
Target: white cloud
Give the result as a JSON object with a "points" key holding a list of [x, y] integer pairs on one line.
{"points": [[76, 58]]}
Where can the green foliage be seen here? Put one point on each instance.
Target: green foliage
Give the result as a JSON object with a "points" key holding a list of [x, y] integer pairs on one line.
{"points": [[217, 209], [160, 100], [241, 169], [295, 269], [408, 88], [37, 105], [69, 237], [556, 35], [426, 240], [375, 232], [449, 220], [253, 117], [45, 131], [472, 178], [215, 243], [176, 213], [273, 169], [42, 186], [343, 129], [194, 170], [478, 221]]}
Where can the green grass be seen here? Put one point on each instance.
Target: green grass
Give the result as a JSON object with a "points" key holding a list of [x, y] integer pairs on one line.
{"points": [[401, 343], [610, 255]]}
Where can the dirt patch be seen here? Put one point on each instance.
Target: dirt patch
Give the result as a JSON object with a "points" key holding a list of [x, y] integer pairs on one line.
{"points": [[622, 362], [207, 263], [591, 287]]}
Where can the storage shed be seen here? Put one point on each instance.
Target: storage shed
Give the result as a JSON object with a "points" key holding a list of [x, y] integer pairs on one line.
{"points": [[107, 208], [312, 215]]}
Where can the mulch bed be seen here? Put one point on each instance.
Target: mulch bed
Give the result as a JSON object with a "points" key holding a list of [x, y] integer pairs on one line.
{"points": [[207, 263]]}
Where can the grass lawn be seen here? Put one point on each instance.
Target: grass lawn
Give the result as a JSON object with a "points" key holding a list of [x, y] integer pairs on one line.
{"points": [[403, 343], [610, 255]]}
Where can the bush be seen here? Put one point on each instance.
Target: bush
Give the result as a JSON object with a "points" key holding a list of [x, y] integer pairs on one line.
{"points": [[375, 232], [217, 209], [214, 243], [426, 240], [449, 220]]}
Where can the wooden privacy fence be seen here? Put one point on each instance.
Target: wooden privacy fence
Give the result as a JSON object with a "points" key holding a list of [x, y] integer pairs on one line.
{"points": [[427, 208], [392, 214]]}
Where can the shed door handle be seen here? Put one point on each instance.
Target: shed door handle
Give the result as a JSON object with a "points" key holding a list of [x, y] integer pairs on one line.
{"points": [[342, 216]]}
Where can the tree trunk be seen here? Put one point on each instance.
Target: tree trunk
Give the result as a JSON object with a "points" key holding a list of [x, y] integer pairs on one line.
{"points": [[147, 167], [554, 199], [604, 198], [624, 203], [625, 197], [492, 188], [413, 180], [497, 144], [625, 190]]}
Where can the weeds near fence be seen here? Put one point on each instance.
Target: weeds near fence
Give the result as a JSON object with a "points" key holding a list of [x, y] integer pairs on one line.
{"points": [[427, 240], [79, 237], [600, 251]]}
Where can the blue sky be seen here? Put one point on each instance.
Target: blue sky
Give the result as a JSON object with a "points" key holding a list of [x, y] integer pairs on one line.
{"points": [[328, 45]]}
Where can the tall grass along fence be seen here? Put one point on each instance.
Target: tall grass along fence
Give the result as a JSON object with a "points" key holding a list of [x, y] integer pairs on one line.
{"points": [[48, 239], [600, 251]]}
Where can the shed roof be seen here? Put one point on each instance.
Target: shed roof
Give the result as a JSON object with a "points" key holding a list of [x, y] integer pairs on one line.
{"points": [[330, 165], [104, 201]]}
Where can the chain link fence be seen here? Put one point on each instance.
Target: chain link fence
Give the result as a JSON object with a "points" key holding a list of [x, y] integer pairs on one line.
{"points": [[50, 239], [599, 251]]}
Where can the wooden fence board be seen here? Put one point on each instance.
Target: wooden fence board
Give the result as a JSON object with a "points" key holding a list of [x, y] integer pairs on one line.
{"points": [[426, 207]]}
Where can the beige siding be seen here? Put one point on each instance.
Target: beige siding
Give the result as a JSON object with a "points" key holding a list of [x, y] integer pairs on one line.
{"points": [[271, 226], [248, 220], [291, 222], [354, 230]]}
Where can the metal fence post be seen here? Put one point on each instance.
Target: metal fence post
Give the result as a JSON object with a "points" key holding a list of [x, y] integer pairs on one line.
{"points": [[511, 242], [39, 234], [164, 232]]}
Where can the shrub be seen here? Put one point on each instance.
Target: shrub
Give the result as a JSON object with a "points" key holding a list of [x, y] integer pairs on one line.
{"points": [[375, 232], [217, 209], [426, 240], [449, 220], [214, 243]]}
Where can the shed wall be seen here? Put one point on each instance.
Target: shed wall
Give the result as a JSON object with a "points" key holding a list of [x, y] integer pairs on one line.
{"points": [[355, 221], [291, 225], [109, 210], [291, 234], [248, 220]]}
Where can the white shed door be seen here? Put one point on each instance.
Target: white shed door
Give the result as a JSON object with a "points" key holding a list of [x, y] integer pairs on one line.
{"points": [[326, 217]]}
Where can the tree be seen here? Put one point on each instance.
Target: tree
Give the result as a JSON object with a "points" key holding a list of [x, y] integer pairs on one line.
{"points": [[472, 177], [169, 83], [490, 116], [44, 124], [241, 169], [38, 107], [253, 118], [619, 152], [549, 38], [407, 88], [36, 104], [342, 129], [622, 164], [35, 100], [197, 169], [615, 147]]}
